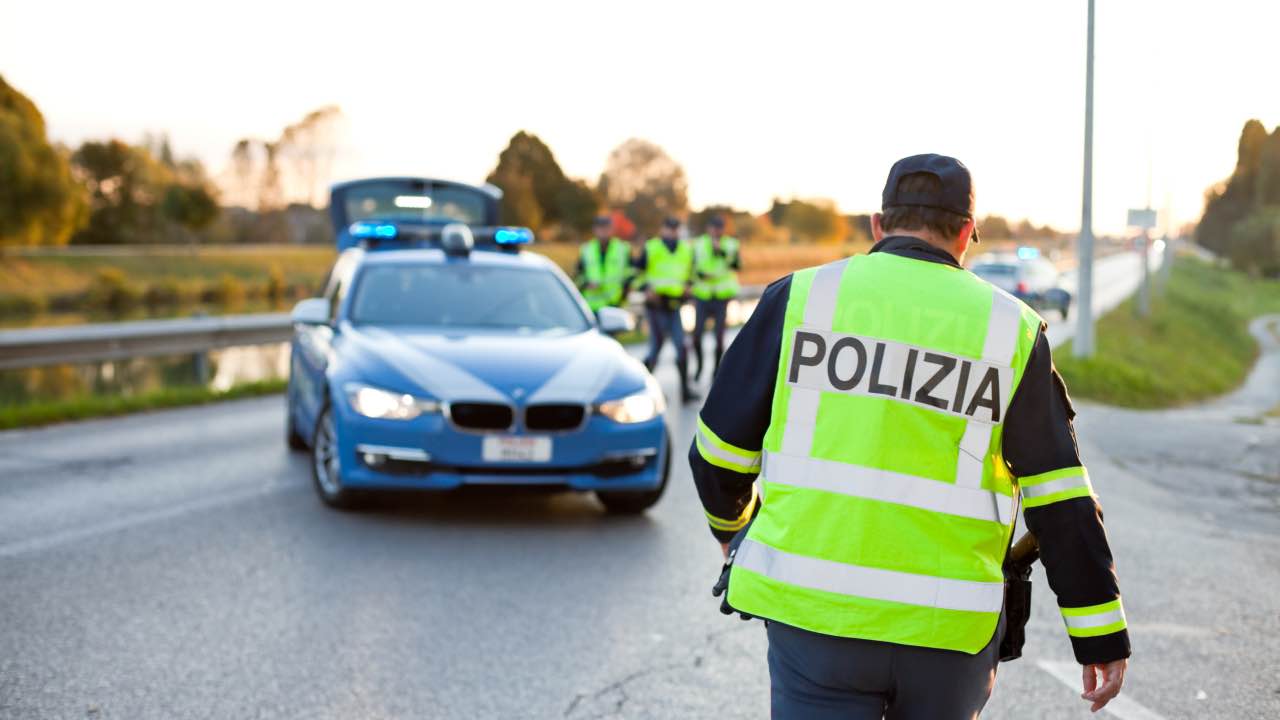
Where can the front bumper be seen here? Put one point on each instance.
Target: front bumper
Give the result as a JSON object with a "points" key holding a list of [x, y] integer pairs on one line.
{"points": [[428, 453]]}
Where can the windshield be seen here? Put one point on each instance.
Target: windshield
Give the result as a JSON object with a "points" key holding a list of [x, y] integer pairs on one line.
{"points": [[995, 270], [462, 295], [413, 202]]}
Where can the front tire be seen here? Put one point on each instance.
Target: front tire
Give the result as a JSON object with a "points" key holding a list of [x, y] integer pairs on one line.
{"points": [[326, 471], [634, 502], [292, 437]]}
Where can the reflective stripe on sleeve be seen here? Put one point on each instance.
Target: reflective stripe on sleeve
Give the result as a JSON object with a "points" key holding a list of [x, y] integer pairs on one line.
{"points": [[866, 582], [1094, 620], [738, 523], [722, 454], [1055, 486]]}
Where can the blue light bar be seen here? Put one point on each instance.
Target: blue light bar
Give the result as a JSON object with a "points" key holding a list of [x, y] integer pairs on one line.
{"points": [[1028, 253], [370, 230], [513, 236]]}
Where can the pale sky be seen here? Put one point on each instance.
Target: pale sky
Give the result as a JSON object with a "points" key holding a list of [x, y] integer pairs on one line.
{"points": [[812, 99]]}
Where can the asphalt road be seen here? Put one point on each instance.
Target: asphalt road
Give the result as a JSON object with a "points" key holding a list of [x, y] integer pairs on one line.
{"points": [[177, 565]]}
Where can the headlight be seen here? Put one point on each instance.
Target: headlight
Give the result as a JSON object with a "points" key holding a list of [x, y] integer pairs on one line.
{"points": [[641, 407], [376, 403]]}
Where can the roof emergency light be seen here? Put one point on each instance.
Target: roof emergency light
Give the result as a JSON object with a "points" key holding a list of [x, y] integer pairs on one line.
{"points": [[364, 230], [1028, 253], [513, 236]]}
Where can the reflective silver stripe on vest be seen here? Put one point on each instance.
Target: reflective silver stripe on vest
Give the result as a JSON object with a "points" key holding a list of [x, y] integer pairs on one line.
{"points": [[1003, 325], [1055, 486], [802, 408], [885, 485], [865, 582]]}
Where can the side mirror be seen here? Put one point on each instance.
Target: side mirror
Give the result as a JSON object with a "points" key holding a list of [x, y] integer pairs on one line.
{"points": [[615, 321], [312, 311]]}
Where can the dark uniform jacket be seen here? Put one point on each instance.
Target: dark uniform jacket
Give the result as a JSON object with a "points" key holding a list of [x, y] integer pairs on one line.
{"points": [[1038, 438]]}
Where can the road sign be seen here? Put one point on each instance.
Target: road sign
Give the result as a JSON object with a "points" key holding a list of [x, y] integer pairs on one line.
{"points": [[1144, 218]]}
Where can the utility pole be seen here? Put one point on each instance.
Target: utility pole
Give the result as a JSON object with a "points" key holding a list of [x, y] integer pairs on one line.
{"points": [[1083, 344]]}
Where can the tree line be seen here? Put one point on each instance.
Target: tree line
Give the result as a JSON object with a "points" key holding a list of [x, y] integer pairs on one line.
{"points": [[1241, 220], [274, 190]]}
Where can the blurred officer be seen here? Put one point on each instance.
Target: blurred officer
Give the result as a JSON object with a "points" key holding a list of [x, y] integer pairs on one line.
{"points": [[715, 267], [667, 266], [895, 407], [604, 266]]}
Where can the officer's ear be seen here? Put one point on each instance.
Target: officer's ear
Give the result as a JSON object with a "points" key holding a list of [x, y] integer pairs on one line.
{"points": [[963, 239], [877, 232]]}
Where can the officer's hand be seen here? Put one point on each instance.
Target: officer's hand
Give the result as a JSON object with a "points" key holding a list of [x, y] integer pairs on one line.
{"points": [[724, 548], [1112, 678], [650, 296], [592, 286]]}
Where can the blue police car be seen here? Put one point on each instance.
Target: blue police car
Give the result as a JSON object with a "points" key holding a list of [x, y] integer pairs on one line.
{"points": [[442, 355]]}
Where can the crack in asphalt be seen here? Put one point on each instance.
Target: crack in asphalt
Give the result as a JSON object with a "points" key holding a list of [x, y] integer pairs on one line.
{"points": [[590, 701]]}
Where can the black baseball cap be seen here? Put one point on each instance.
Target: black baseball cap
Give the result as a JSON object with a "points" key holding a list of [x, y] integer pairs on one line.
{"points": [[602, 220], [716, 221], [671, 222], [955, 195]]}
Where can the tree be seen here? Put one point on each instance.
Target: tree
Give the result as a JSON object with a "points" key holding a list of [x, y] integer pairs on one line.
{"points": [[296, 167], [815, 221], [40, 202], [995, 227], [536, 190], [136, 198], [643, 181], [1240, 214]]}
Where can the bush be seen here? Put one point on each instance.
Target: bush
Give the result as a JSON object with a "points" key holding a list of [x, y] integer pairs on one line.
{"points": [[164, 292], [21, 305], [227, 291], [276, 287], [112, 290]]}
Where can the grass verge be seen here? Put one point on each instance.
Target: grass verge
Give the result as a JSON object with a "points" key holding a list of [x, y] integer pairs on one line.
{"points": [[45, 413], [1195, 344]]}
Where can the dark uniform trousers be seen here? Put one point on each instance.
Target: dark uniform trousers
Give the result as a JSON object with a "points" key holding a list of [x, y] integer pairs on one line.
{"points": [[821, 677]]}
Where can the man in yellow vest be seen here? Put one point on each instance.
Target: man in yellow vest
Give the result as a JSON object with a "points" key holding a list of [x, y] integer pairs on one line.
{"points": [[604, 266], [715, 267], [666, 267], [873, 428]]}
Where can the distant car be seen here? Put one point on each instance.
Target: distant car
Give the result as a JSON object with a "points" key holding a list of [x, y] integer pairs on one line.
{"points": [[1026, 276], [441, 355]]}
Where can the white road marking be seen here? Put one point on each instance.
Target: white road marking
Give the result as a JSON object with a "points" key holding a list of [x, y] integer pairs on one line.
{"points": [[62, 537], [1069, 674]]}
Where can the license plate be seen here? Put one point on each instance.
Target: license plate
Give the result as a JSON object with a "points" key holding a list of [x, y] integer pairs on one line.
{"points": [[501, 449]]}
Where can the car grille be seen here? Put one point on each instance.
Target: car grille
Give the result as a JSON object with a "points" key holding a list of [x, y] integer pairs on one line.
{"points": [[481, 416], [554, 417]]}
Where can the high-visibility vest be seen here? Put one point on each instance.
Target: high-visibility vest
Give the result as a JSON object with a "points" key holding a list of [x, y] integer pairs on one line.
{"points": [[887, 507], [608, 271], [668, 272], [714, 277]]}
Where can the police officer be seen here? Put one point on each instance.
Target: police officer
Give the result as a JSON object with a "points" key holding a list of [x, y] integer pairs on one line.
{"points": [[715, 267], [666, 264], [893, 407], [604, 266]]}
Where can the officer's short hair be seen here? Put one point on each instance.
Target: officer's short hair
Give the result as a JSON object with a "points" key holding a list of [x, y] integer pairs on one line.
{"points": [[917, 217]]}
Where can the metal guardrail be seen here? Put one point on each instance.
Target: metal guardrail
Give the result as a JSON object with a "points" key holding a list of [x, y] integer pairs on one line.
{"points": [[100, 342], [117, 341]]}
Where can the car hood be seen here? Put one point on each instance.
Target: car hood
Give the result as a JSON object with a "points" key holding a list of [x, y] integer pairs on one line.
{"points": [[493, 368]]}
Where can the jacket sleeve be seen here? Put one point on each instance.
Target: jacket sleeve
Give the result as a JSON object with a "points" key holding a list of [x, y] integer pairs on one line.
{"points": [[1062, 511], [640, 263], [726, 452]]}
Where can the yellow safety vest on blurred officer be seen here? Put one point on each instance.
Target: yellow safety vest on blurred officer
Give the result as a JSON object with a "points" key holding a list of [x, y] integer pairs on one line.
{"points": [[604, 272], [715, 278], [668, 272]]}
